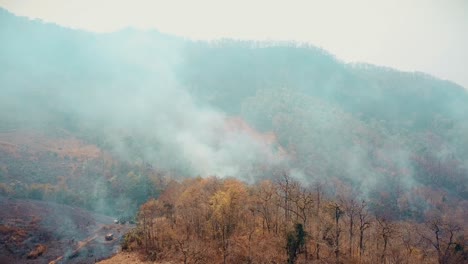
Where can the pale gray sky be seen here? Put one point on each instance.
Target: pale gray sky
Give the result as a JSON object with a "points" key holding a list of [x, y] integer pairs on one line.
{"points": [[412, 35]]}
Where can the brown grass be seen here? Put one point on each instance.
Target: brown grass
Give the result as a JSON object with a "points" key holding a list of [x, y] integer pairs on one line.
{"points": [[38, 251], [129, 258], [36, 142], [15, 234]]}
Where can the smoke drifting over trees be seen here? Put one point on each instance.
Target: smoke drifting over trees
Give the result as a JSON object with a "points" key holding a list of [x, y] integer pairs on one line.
{"points": [[143, 107]]}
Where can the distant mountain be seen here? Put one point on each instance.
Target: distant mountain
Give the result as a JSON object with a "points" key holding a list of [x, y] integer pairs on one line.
{"points": [[153, 98], [221, 73]]}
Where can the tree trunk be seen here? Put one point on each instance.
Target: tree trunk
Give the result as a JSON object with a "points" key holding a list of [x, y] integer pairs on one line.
{"points": [[317, 244], [361, 242], [337, 235]]}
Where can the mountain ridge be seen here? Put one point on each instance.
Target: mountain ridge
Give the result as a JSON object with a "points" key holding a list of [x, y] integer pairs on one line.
{"points": [[155, 98], [5, 13]]}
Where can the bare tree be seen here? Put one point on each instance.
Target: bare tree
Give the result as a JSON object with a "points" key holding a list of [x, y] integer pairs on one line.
{"points": [[364, 224], [284, 191], [386, 231], [350, 208], [302, 206], [441, 237], [337, 213], [265, 199], [318, 198]]}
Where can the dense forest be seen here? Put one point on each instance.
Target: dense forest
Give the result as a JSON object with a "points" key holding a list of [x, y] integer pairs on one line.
{"points": [[212, 220], [235, 151]]}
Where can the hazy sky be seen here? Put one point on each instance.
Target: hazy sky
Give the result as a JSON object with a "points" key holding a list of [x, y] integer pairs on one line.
{"points": [[421, 35]]}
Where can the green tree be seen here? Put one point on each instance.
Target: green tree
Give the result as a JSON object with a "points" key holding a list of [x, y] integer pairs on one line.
{"points": [[295, 243]]}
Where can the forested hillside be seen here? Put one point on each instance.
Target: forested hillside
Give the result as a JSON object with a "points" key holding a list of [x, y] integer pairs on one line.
{"points": [[107, 121], [215, 220]]}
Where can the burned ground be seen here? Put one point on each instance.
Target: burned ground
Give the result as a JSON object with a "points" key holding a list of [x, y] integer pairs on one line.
{"points": [[42, 232]]}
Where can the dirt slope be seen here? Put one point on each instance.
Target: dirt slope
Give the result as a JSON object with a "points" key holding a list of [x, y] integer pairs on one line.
{"points": [[129, 258], [41, 232], [125, 258]]}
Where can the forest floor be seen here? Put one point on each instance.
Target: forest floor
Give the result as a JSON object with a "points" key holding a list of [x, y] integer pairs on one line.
{"points": [[125, 258], [130, 258]]}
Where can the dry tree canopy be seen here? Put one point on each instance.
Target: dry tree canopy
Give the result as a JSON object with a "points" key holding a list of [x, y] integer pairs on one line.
{"points": [[228, 221]]}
